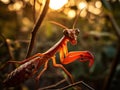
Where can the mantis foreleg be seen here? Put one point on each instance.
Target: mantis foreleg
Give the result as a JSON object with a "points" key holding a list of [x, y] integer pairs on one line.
{"points": [[62, 67]]}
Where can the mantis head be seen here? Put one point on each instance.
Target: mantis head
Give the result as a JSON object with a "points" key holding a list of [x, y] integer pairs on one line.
{"points": [[71, 35]]}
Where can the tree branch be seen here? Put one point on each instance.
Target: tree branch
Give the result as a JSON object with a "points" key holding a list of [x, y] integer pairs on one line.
{"points": [[8, 47], [76, 83], [36, 27], [52, 86], [114, 24]]}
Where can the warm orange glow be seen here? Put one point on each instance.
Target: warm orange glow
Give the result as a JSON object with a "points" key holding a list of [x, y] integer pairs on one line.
{"points": [[71, 13], [83, 13], [38, 4], [31, 2], [26, 21], [26, 24], [37, 7], [82, 5], [10, 7], [98, 4], [26, 0], [18, 5], [94, 10], [5, 1], [57, 4]]}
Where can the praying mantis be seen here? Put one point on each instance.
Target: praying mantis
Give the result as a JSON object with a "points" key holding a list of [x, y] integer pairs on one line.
{"points": [[30, 66]]}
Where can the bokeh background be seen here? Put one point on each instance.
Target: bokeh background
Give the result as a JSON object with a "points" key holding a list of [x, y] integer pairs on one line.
{"points": [[98, 21]]}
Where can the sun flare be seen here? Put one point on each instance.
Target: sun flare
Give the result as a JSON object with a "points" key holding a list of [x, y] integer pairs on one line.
{"points": [[57, 4]]}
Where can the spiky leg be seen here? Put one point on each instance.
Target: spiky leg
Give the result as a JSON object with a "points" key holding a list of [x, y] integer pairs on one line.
{"points": [[40, 74], [62, 67]]}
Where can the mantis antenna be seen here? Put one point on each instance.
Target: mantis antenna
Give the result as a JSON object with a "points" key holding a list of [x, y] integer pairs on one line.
{"points": [[76, 18], [63, 26], [56, 23]]}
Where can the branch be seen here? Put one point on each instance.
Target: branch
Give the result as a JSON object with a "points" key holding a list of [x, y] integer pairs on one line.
{"points": [[36, 27], [8, 47], [76, 83], [114, 24], [66, 87], [52, 86], [9, 51]]}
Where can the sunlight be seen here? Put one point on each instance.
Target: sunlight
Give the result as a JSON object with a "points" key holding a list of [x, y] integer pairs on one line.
{"points": [[94, 10], [37, 6], [57, 4], [82, 5], [18, 5], [26, 0], [98, 4], [10, 7], [26, 24], [71, 13], [5, 1], [83, 13]]}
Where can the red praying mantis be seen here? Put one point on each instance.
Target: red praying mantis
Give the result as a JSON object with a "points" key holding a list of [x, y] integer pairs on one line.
{"points": [[30, 66]]}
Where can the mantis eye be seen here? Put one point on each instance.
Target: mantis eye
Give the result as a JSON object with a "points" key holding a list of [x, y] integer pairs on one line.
{"points": [[66, 33], [77, 31]]}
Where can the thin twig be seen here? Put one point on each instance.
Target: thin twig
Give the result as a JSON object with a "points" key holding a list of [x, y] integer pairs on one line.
{"points": [[36, 27], [8, 47], [52, 86], [9, 51], [76, 83], [115, 25]]}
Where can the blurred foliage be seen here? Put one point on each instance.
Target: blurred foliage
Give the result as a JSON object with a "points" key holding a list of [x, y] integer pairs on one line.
{"points": [[96, 35]]}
